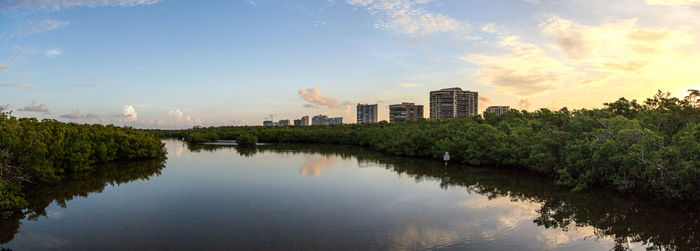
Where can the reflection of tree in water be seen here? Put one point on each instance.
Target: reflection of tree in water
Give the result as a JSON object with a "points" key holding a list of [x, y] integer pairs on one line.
{"points": [[624, 218], [82, 185]]}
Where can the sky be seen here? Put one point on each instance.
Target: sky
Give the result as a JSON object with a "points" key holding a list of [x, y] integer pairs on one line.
{"points": [[181, 63]]}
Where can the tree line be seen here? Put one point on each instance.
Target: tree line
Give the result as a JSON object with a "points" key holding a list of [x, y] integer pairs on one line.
{"points": [[651, 147], [34, 152]]}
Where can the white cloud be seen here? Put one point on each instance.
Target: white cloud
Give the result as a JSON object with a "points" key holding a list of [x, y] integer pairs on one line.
{"points": [[4, 68], [407, 17], [178, 118], [251, 2], [55, 5], [33, 107], [128, 114], [53, 53], [315, 97]]}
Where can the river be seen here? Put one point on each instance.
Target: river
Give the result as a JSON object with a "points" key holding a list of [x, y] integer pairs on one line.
{"points": [[334, 198]]}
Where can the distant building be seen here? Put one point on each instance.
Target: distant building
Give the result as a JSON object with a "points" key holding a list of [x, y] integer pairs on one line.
{"points": [[498, 109], [325, 120], [334, 121], [405, 111], [269, 123], [366, 113], [453, 103], [304, 121], [319, 119], [284, 122]]}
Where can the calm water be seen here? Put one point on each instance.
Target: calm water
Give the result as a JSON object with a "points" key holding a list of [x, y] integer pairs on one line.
{"points": [[331, 197]]}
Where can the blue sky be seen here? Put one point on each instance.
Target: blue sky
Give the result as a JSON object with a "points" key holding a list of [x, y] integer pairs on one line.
{"points": [[178, 63]]}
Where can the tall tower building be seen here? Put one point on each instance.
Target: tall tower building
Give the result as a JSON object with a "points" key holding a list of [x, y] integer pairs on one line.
{"points": [[405, 111], [366, 113], [319, 119], [453, 103]]}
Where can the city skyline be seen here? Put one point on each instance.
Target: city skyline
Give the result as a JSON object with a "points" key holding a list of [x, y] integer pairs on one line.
{"points": [[177, 63]]}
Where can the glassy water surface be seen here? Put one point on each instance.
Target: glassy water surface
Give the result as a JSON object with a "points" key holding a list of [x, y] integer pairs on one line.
{"points": [[331, 197]]}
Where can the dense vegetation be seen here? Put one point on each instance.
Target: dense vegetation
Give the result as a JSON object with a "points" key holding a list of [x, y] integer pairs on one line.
{"points": [[33, 151], [651, 147]]}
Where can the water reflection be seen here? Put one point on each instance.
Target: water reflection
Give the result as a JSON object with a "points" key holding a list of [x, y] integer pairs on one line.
{"points": [[39, 198], [628, 220], [255, 198], [313, 165]]}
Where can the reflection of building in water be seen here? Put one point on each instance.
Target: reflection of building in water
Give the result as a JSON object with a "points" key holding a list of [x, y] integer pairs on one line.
{"points": [[366, 163], [313, 165]]}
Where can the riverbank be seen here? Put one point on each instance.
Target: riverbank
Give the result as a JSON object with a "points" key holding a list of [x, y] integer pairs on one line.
{"points": [[651, 147], [35, 152]]}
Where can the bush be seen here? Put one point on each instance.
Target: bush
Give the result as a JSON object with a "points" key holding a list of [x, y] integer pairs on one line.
{"points": [[246, 140]]}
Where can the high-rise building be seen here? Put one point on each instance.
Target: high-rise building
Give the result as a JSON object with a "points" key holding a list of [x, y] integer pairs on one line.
{"points": [[453, 103], [269, 123], [284, 122], [325, 120], [405, 111], [319, 119], [366, 113], [334, 121], [304, 121], [498, 110]]}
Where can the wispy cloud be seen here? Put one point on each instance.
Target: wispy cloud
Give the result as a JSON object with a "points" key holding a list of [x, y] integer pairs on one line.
{"points": [[673, 2], [484, 101], [53, 53], [32, 27], [18, 85], [251, 2], [77, 115], [74, 115], [55, 5], [88, 85], [586, 56], [408, 17], [33, 107], [4, 68], [408, 85]]}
